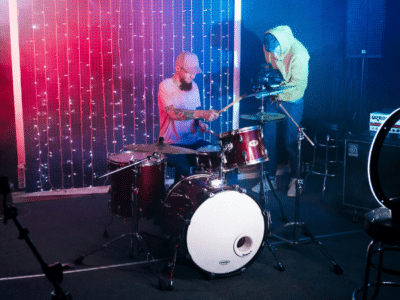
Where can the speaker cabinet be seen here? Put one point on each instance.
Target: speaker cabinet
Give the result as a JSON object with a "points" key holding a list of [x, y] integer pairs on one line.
{"points": [[356, 190], [365, 26]]}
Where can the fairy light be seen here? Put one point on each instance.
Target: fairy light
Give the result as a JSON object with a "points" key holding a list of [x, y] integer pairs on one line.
{"points": [[133, 35], [113, 92], [82, 147], [154, 106], [103, 84], [60, 138], [91, 100], [144, 111], [69, 100], [36, 107], [122, 127]]}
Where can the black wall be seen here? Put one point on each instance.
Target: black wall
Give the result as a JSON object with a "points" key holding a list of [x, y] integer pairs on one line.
{"points": [[335, 82]]}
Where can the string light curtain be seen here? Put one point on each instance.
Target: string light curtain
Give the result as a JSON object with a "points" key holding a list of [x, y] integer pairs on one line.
{"points": [[90, 76]]}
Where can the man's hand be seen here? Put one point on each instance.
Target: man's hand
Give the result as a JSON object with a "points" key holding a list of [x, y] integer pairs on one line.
{"points": [[203, 127], [209, 115], [274, 98]]}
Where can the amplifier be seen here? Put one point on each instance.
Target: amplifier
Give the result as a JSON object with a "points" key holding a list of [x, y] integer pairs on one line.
{"points": [[356, 190], [377, 118]]}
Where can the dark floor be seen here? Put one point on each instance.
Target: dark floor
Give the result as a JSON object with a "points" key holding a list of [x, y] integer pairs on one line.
{"points": [[63, 230]]}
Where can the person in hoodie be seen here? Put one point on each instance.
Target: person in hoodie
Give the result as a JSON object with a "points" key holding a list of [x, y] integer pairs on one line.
{"points": [[285, 53]]}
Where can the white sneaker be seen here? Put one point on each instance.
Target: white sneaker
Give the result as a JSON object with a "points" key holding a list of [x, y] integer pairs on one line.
{"points": [[256, 188], [292, 188], [282, 170]]}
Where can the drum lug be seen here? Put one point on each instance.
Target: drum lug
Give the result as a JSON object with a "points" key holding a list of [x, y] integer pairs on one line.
{"points": [[240, 138], [187, 222], [244, 154]]}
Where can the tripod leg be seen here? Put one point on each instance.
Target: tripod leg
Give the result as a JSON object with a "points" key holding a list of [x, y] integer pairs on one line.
{"points": [[105, 233], [79, 260], [280, 267], [170, 285], [284, 218], [336, 269]]}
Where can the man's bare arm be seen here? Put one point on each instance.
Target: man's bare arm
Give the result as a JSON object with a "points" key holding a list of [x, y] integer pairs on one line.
{"points": [[179, 114]]}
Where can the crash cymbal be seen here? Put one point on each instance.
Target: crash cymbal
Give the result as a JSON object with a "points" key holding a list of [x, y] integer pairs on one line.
{"points": [[163, 148], [264, 117]]}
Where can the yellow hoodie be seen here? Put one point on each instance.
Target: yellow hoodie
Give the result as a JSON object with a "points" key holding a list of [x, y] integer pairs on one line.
{"points": [[292, 63]]}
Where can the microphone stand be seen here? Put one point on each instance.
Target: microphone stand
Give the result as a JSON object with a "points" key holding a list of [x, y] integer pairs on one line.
{"points": [[296, 224], [54, 273]]}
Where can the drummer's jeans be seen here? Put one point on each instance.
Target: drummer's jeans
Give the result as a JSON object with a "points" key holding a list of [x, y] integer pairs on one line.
{"points": [[183, 162], [288, 139]]}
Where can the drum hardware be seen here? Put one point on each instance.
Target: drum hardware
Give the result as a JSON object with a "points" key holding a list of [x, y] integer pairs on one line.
{"points": [[135, 236], [265, 176], [296, 224]]}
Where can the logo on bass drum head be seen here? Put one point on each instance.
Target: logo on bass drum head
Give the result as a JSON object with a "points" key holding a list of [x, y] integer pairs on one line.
{"points": [[224, 262], [253, 143]]}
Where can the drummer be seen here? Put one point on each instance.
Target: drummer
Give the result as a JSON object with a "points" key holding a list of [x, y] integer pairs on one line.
{"points": [[180, 118]]}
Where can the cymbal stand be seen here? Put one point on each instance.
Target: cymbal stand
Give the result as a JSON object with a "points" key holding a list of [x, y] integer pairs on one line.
{"points": [[135, 220], [265, 178], [296, 224]]}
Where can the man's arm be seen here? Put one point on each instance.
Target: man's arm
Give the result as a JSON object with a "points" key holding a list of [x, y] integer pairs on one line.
{"points": [[184, 114]]}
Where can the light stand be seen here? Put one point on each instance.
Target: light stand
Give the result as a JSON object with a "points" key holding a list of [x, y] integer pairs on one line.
{"points": [[54, 273], [296, 224]]}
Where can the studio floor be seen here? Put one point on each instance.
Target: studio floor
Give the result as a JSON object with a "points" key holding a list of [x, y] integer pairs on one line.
{"points": [[64, 229]]}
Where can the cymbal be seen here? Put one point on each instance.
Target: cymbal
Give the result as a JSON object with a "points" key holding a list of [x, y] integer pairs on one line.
{"points": [[270, 91], [163, 148], [264, 117]]}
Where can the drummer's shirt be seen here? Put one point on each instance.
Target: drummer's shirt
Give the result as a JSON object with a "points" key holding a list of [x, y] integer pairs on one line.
{"points": [[177, 132]]}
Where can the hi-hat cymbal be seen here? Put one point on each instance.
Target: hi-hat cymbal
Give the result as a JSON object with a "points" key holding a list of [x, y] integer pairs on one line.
{"points": [[271, 91], [163, 148], [264, 117]]}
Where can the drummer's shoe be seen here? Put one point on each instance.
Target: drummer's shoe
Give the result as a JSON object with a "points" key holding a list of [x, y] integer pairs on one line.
{"points": [[256, 188], [292, 188]]}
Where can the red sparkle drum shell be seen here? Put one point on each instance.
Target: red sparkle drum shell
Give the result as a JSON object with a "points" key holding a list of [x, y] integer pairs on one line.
{"points": [[243, 147], [223, 230], [150, 183]]}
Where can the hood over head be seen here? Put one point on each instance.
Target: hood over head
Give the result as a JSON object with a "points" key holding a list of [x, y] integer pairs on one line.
{"points": [[284, 36]]}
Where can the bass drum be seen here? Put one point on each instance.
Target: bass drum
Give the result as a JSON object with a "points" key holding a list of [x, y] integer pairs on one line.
{"points": [[223, 230]]}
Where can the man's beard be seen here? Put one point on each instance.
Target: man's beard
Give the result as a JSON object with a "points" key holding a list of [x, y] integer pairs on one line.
{"points": [[184, 86]]}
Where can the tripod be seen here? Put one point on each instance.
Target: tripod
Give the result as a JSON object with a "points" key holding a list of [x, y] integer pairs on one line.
{"points": [[135, 236], [296, 224]]}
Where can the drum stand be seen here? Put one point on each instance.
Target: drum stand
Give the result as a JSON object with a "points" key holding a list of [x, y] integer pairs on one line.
{"points": [[265, 177], [136, 237], [300, 225]]}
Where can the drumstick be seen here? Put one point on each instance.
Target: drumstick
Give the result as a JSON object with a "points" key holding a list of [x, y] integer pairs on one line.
{"points": [[229, 105], [212, 132]]}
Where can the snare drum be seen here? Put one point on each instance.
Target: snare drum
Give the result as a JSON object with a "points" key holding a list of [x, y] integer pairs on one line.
{"points": [[222, 228], [208, 159], [243, 147], [150, 183]]}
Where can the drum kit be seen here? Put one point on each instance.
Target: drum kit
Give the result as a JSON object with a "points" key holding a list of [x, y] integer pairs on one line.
{"points": [[221, 228]]}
